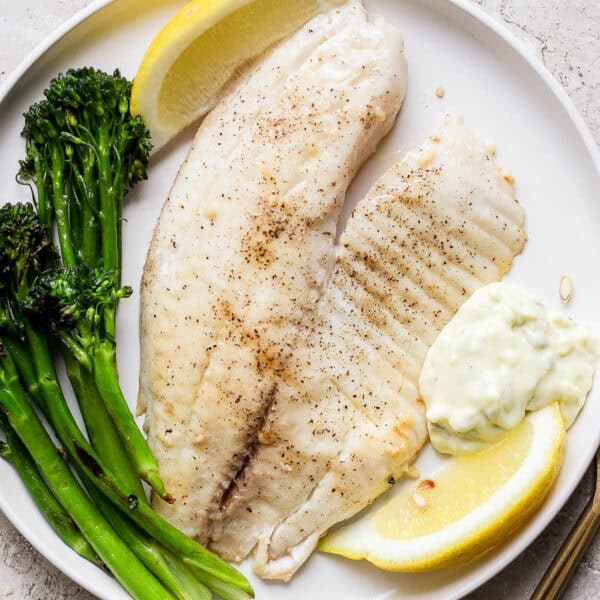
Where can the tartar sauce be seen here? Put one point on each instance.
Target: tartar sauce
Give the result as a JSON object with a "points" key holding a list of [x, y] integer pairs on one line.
{"points": [[503, 353]]}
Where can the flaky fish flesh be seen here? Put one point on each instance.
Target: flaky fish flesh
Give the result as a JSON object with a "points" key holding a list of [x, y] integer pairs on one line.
{"points": [[346, 420], [245, 246]]}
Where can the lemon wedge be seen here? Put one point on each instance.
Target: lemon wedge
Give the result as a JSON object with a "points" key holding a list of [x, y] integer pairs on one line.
{"points": [[475, 502], [201, 49]]}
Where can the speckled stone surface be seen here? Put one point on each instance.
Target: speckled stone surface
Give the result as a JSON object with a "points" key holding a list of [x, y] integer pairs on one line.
{"points": [[566, 35]]}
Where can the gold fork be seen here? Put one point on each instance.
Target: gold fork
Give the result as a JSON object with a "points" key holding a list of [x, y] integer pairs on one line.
{"points": [[567, 558]]}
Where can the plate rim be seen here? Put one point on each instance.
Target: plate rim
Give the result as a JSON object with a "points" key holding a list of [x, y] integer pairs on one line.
{"points": [[496, 27]]}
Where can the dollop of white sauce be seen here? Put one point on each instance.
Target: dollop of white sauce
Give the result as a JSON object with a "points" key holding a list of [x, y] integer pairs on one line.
{"points": [[503, 354]]}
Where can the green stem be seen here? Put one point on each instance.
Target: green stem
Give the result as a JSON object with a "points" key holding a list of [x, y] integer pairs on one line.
{"points": [[45, 389], [90, 247], [119, 187], [222, 589], [61, 206], [184, 577], [22, 360], [108, 210], [74, 349], [124, 565], [109, 318], [101, 431], [54, 513], [169, 569], [44, 208], [75, 216], [107, 382]]}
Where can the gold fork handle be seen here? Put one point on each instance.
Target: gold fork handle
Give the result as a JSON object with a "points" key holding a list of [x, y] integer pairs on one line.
{"points": [[567, 558]]}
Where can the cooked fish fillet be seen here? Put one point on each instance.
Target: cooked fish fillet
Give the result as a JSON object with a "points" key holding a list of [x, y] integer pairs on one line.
{"points": [[347, 420], [245, 245]]}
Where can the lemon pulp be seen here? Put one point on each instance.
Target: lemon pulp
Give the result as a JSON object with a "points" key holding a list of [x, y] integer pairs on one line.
{"points": [[483, 473]]}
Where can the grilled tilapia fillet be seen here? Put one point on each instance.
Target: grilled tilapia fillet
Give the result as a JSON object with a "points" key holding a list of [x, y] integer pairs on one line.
{"points": [[346, 421], [244, 246]]}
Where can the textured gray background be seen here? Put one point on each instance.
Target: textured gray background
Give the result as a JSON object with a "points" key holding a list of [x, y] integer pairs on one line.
{"points": [[566, 35]]}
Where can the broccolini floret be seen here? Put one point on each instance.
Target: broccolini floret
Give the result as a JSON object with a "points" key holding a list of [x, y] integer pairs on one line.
{"points": [[83, 151], [77, 303], [25, 248]]}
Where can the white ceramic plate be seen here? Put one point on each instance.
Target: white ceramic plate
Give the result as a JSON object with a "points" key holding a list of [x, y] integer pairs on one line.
{"points": [[503, 94]]}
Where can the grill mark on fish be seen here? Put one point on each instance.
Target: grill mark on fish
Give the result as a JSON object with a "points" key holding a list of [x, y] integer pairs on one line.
{"points": [[412, 277], [483, 228], [419, 278], [364, 306], [451, 241], [414, 290], [375, 283], [440, 259], [418, 208]]}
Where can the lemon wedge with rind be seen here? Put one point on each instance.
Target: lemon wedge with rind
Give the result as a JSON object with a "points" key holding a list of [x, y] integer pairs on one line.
{"points": [[201, 49], [476, 502]]}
